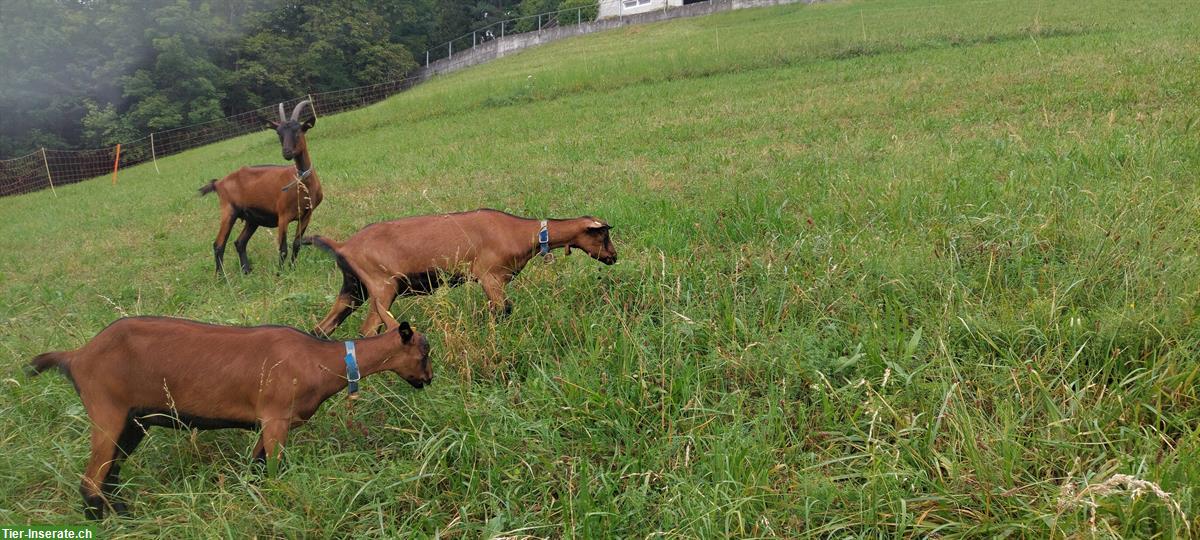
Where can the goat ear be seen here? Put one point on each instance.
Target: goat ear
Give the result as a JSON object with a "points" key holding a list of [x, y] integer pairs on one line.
{"points": [[598, 226], [406, 332], [567, 249], [308, 124], [271, 124]]}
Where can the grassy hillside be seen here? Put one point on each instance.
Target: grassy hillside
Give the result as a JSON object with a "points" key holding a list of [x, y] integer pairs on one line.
{"points": [[888, 268]]}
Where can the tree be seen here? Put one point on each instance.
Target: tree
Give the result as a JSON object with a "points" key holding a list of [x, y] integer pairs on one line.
{"points": [[102, 126], [529, 8], [96, 72]]}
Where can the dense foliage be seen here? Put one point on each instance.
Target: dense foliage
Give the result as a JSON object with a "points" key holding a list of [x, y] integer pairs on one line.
{"points": [[93, 73]]}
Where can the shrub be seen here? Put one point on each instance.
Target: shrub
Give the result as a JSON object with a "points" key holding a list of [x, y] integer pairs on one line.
{"points": [[590, 9]]}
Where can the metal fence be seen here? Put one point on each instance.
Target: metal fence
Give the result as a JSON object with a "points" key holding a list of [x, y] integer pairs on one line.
{"points": [[516, 25]]}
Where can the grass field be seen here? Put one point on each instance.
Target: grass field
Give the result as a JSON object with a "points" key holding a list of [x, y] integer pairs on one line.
{"points": [[888, 268]]}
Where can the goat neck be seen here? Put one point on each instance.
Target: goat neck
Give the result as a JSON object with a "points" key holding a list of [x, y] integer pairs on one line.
{"points": [[372, 354], [562, 231], [303, 163]]}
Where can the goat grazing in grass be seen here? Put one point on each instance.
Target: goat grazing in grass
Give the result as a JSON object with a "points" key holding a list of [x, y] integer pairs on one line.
{"points": [[417, 254], [269, 195], [156, 371]]}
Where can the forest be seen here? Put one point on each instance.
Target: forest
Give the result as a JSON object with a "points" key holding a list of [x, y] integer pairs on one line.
{"points": [[91, 73]]}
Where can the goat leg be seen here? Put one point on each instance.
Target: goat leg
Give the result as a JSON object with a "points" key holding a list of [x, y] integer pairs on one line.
{"points": [[349, 298], [240, 244], [259, 455], [227, 219], [106, 425], [370, 324], [493, 286], [382, 296], [131, 436], [281, 240], [301, 226], [274, 433]]}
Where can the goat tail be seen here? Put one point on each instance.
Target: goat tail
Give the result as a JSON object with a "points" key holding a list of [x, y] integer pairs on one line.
{"points": [[210, 187], [324, 243], [44, 361], [335, 249]]}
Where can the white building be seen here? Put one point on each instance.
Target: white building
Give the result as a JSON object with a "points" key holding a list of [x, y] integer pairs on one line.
{"points": [[617, 8]]}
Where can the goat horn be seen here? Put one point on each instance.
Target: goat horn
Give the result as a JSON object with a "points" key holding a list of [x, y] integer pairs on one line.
{"points": [[282, 118], [296, 111]]}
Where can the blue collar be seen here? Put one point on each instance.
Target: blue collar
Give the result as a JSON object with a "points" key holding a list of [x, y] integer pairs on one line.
{"points": [[352, 375], [544, 239]]}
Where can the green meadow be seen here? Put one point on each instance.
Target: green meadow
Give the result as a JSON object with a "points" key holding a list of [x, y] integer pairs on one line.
{"points": [[894, 268]]}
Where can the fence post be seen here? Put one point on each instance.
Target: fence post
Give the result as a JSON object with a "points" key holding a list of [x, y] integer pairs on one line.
{"points": [[153, 156], [48, 177], [539, 22], [450, 45], [578, 16], [426, 57], [502, 28], [472, 39], [312, 105], [116, 164]]}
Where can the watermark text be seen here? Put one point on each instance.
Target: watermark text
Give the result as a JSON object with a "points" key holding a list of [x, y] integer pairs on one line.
{"points": [[25, 532]]}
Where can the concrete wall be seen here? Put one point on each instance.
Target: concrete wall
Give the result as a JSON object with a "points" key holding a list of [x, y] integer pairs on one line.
{"points": [[500, 47]]}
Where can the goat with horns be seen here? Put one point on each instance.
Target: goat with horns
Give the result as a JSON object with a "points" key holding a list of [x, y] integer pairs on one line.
{"points": [[269, 195]]}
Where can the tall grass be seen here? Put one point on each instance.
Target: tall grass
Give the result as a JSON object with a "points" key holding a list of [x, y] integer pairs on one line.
{"points": [[894, 268]]}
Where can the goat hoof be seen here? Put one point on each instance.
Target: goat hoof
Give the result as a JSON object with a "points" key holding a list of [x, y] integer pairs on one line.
{"points": [[246, 270], [93, 508], [120, 508]]}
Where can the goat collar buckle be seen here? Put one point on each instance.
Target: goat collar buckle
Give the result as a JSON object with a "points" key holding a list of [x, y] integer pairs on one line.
{"points": [[352, 375], [544, 243]]}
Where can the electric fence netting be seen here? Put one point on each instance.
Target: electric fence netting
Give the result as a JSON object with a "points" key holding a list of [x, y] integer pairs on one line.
{"points": [[47, 168]]}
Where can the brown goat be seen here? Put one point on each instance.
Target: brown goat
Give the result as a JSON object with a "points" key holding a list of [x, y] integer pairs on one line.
{"points": [[156, 371], [417, 254], [269, 195]]}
